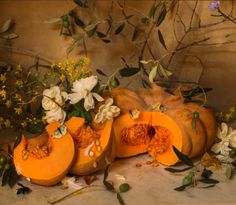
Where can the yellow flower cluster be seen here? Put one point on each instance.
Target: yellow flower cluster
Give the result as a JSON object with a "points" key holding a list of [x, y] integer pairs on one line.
{"points": [[71, 70]]}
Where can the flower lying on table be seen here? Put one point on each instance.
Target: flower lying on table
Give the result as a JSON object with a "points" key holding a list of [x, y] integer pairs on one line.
{"points": [[227, 137]]}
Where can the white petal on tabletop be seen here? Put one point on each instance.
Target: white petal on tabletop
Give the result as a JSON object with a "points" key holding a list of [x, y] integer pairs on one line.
{"points": [[224, 130]]}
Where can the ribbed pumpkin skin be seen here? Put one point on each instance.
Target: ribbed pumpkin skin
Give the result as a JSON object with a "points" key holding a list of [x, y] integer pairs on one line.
{"points": [[197, 134]]}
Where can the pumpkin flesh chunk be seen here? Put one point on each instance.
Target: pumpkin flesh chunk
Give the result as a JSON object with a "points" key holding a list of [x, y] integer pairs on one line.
{"points": [[91, 146], [46, 170], [168, 134], [131, 134]]}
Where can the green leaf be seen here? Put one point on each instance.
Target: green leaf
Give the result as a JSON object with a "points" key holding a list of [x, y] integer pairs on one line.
{"points": [[106, 172], [152, 73], [161, 39], [76, 42], [17, 141], [206, 173], [92, 31], [128, 71], [206, 187], [100, 72], [121, 201], [10, 36], [53, 20], [90, 27], [81, 3], [145, 84], [100, 34], [87, 116], [6, 177], [152, 11], [184, 158], [188, 179], [163, 71], [182, 188], [6, 26], [108, 186], [79, 22], [14, 177], [135, 33], [106, 40], [209, 181], [173, 170], [119, 28], [162, 16], [75, 113]]}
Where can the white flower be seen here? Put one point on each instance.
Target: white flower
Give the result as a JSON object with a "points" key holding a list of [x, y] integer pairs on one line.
{"points": [[228, 140], [82, 90], [54, 115], [52, 101], [107, 111], [53, 97]]}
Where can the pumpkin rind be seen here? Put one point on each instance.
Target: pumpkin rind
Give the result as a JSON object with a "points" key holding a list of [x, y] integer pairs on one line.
{"points": [[51, 169], [83, 163]]}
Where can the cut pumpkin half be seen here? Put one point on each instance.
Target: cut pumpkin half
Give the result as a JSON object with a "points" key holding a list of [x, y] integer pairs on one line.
{"points": [[46, 159]]}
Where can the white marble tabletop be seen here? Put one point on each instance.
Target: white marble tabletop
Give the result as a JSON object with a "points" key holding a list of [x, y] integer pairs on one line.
{"points": [[149, 186]]}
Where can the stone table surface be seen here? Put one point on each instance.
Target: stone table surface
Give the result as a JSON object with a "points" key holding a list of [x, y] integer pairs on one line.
{"points": [[150, 186]]}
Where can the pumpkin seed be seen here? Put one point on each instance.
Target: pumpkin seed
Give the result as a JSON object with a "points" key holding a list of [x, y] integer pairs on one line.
{"points": [[99, 148], [95, 164], [97, 142], [25, 157], [91, 153]]}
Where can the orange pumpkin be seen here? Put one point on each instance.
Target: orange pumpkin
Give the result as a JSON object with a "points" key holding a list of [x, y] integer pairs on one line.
{"points": [[93, 148], [188, 127], [45, 160]]}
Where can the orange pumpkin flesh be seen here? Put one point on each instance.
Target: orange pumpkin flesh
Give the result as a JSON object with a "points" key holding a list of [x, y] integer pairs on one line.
{"points": [[124, 149], [47, 170], [92, 152]]}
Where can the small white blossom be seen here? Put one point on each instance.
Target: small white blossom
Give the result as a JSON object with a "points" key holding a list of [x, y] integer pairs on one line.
{"points": [[82, 90], [54, 115], [228, 141], [107, 111]]}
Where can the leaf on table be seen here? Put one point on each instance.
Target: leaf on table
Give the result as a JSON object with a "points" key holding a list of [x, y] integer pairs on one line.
{"points": [[209, 181], [173, 170], [184, 158], [182, 188], [90, 179], [206, 173], [121, 201], [161, 39], [101, 72]]}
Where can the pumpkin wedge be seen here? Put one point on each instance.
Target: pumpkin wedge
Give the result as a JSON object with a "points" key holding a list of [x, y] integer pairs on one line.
{"points": [[46, 159], [132, 135], [93, 148]]}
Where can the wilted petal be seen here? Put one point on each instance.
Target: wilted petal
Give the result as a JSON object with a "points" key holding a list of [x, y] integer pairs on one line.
{"points": [[109, 102], [224, 131], [89, 102], [232, 139]]}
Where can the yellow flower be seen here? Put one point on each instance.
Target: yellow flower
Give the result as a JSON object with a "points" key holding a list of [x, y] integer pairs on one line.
{"points": [[3, 94], [62, 77], [84, 61], [8, 103], [24, 124], [3, 78], [19, 83], [18, 68], [18, 110], [7, 123]]}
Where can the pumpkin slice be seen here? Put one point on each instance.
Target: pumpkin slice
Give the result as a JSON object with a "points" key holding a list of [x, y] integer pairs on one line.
{"points": [[45, 164], [93, 148], [132, 135], [167, 135]]}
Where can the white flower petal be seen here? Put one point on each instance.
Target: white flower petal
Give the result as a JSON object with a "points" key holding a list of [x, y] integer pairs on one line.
{"points": [[89, 82], [89, 102], [224, 130], [97, 97], [216, 148], [109, 102], [76, 97]]}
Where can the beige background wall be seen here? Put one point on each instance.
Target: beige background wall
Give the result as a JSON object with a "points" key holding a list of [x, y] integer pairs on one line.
{"points": [[44, 40]]}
